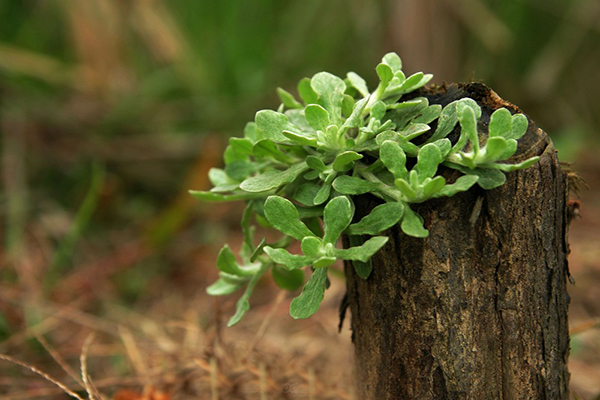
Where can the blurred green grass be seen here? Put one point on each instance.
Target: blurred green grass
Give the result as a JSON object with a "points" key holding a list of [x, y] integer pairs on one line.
{"points": [[150, 90]]}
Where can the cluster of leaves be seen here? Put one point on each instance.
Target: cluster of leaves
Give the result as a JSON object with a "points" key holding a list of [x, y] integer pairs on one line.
{"points": [[298, 167]]}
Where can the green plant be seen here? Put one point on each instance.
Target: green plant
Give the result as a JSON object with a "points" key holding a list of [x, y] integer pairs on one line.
{"points": [[298, 167]]}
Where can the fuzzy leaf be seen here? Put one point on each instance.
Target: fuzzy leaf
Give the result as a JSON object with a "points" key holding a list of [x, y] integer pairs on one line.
{"points": [[272, 179], [218, 177], [355, 119], [500, 123], [363, 269], [385, 74], [283, 216], [288, 279], [412, 224], [428, 114], [302, 138], [514, 167], [238, 149], [226, 262], [498, 148], [358, 83], [432, 187], [288, 99], [428, 159], [210, 196], [306, 92], [242, 306], [323, 194], [336, 218], [317, 117], [323, 262], [394, 158], [271, 124], [394, 61], [311, 247], [462, 184], [285, 258], [353, 185], [519, 126], [488, 178], [363, 252], [266, 148], [306, 193], [382, 217], [222, 288], [311, 297], [414, 130], [345, 159], [330, 89], [378, 110]]}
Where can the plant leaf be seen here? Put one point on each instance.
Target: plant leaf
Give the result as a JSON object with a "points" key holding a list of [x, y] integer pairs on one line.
{"points": [[500, 123], [513, 167], [394, 158], [330, 89], [288, 99], [412, 224], [272, 179], [222, 288], [283, 216], [306, 92], [301, 138], [462, 184], [317, 117], [428, 159], [311, 247], [363, 252], [285, 258], [393, 60], [242, 306], [323, 194], [382, 217], [271, 124], [497, 148], [345, 159], [226, 262], [311, 297], [519, 126], [363, 269], [488, 178], [353, 185], [210, 196], [336, 218], [288, 279], [358, 83]]}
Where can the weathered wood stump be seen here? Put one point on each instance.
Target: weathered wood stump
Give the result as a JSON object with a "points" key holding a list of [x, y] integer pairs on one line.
{"points": [[478, 310]]}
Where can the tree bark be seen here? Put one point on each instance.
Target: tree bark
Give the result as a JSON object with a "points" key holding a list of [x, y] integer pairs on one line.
{"points": [[478, 310]]}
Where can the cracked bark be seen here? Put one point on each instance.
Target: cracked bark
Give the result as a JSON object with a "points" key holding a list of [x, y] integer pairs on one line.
{"points": [[478, 310]]}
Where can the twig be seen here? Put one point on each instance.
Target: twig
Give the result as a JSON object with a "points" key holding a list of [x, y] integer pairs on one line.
{"points": [[42, 374]]}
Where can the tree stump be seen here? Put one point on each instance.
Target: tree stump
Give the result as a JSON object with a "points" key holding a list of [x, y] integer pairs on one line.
{"points": [[478, 310]]}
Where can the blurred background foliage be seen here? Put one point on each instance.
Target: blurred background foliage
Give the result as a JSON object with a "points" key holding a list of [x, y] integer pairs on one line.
{"points": [[111, 110]]}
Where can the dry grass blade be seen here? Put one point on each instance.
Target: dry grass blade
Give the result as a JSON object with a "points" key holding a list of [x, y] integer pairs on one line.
{"points": [[42, 374], [214, 379], [89, 388], [265, 324], [58, 358]]}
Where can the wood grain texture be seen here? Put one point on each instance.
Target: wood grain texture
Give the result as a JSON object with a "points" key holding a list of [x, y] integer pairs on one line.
{"points": [[478, 310]]}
